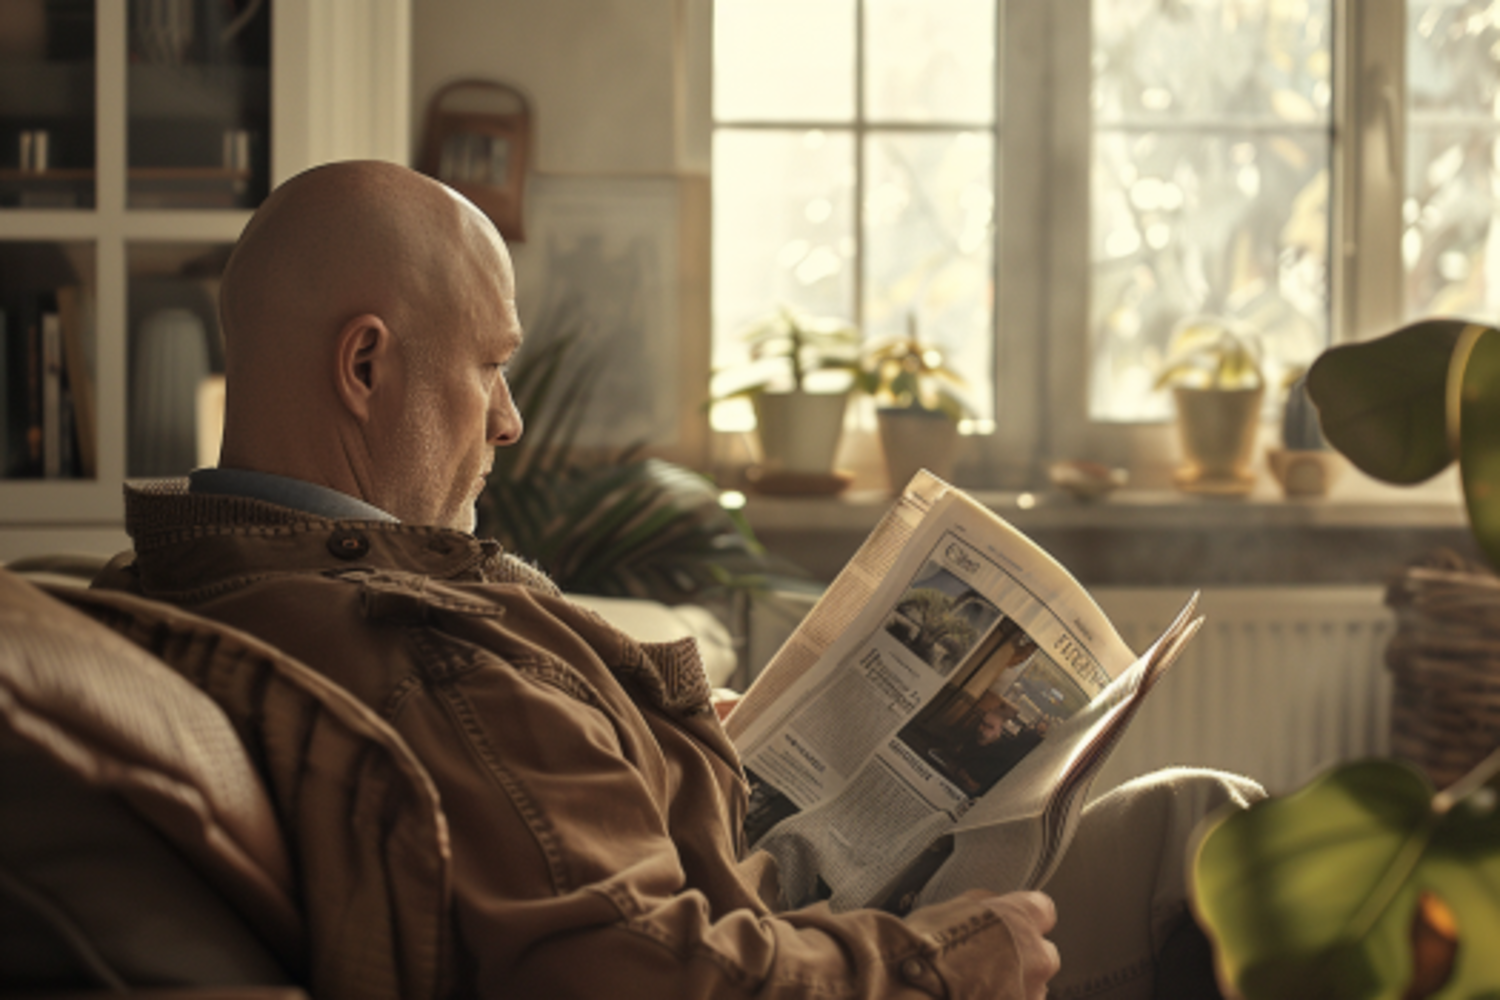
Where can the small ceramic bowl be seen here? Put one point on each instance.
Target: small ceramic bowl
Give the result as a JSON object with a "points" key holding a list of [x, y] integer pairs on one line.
{"points": [[1304, 473], [1086, 480]]}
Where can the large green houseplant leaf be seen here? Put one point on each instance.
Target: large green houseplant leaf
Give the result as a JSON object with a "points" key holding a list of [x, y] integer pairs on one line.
{"points": [[1383, 403], [1338, 890], [1366, 884], [1478, 446], [1405, 406]]}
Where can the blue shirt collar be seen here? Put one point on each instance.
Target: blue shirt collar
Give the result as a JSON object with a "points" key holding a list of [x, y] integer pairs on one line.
{"points": [[284, 491]]}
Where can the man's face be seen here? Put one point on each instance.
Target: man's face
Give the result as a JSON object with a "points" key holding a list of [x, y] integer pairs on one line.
{"points": [[990, 728], [458, 406]]}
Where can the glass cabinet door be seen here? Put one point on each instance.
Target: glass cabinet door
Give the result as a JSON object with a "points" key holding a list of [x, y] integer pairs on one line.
{"points": [[47, 104], [199, 104]]}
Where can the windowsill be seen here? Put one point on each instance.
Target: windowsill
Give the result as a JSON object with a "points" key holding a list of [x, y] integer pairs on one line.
{"points": [[1360, 534]]}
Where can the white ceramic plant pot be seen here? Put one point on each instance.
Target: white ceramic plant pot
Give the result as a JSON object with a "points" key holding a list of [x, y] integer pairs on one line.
{"points": [[799, 431], [914, 439], [1217, 430]]}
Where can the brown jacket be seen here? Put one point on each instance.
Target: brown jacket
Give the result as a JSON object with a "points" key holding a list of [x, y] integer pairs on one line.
{"points": [[594, 804]]}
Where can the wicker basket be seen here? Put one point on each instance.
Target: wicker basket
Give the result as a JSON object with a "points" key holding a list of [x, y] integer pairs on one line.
{"points": [[1445, 658]]}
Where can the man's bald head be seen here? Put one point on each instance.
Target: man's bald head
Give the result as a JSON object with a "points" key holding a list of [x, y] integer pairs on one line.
{"points": [[331, 243], [348, 271]]}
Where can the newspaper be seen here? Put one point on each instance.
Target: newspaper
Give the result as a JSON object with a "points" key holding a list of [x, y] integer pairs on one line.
{"points": [[934, 723]]}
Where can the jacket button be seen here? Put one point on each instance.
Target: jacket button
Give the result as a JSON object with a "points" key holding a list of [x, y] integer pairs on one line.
{"points": [[914, 970], [348, 544]]}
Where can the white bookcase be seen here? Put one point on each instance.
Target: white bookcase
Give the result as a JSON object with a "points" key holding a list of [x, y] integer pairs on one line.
{"points": [[337, 87]]}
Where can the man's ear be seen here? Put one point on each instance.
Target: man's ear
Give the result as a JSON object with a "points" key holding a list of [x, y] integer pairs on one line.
{"points": [[362, 362]]}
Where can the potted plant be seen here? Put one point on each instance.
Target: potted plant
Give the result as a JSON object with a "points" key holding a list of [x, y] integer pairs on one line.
{"points": [[614, 522], [798, 428], [1303, 465], [1213, 370], [918, 404], [1368, 882]]}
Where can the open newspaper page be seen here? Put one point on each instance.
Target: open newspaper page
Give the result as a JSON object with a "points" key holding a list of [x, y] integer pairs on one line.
{"points": [[937, 716]]}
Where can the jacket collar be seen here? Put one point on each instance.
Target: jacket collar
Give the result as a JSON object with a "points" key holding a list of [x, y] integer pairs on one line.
{"points": [[186, 541]]}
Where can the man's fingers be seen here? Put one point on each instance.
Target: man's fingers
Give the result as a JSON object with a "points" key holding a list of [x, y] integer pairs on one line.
{"points": [[1040, 906], [1030, 915]]}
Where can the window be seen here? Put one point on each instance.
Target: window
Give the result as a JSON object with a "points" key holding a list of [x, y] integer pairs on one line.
{"points": [[854, 171], [1051, 185], [1450, 245], [1212, 134]]}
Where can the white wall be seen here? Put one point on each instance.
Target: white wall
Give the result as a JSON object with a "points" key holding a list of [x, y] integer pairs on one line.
{"points": [[616, 206], [602, 75]]}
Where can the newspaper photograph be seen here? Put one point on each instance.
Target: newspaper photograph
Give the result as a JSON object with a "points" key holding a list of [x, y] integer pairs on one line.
{"points": [[956, 668]]}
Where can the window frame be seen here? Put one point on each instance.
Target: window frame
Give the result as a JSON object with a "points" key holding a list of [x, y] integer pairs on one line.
{"points": [[1041, 232]]}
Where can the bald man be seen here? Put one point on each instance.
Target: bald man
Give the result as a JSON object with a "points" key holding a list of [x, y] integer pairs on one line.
{"points": [[365, 349], [594, 805]]}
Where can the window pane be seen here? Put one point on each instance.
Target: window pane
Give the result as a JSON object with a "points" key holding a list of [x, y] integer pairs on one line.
{"points": [[1451, 56], [1212, 59], [1451, 245], [929, 218], [784, 60], [1186, 223], [783, 231], [930, 60], [1210, 185]]}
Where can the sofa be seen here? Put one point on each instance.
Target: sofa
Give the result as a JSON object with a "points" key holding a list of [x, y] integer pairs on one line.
{"points": [[157, 803]]}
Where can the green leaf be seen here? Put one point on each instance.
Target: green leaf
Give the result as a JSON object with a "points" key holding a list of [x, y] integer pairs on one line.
{"points": [[606, 521], [1315, 894], [1382, 403], [1211, 352], [1479, 436]]}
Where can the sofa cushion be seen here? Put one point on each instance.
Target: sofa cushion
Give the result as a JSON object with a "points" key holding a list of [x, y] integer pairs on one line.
{"points": [[654, 622], [95, 738], [92, 896], [359, 813]]}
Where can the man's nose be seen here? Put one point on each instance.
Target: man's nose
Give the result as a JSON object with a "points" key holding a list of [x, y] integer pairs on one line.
{"points": [[504, 423]]}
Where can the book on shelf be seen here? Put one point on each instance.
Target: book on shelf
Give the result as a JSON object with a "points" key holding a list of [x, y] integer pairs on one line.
{"points": [[7, 395], [52, 396], [31, 374], [935, 722], [48, 423], [75, 313]]}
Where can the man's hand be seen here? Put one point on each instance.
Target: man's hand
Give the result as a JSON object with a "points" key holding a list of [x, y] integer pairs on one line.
{"points": [[1030, 917]]}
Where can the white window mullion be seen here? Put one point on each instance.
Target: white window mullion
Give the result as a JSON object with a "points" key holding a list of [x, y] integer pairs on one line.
{"points": [[1029, 243], [1369, 168], [1148, 450], [860, 128]]}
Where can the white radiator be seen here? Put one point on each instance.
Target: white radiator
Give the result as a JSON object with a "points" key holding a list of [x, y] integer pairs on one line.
{"points": [[1279, 684]]}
